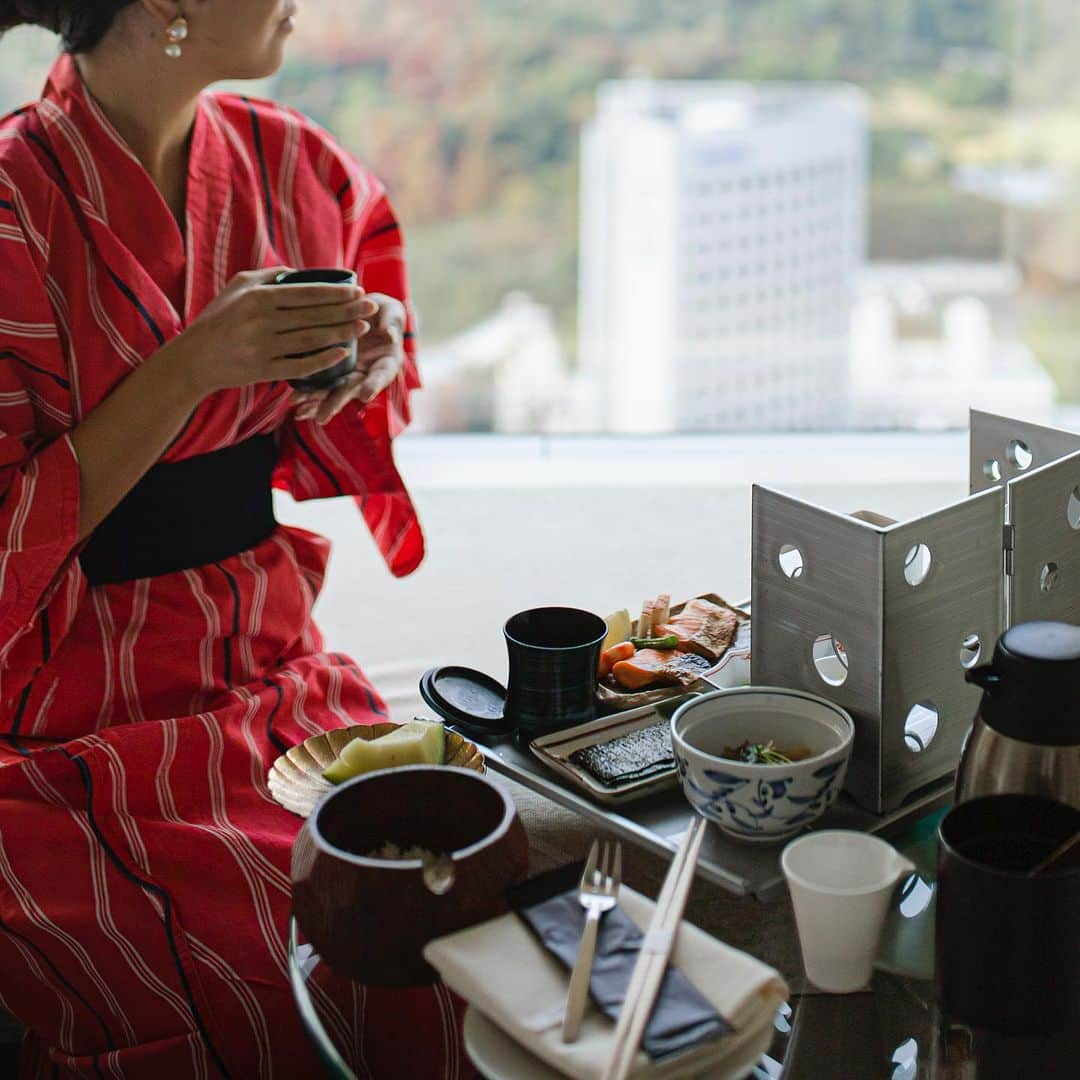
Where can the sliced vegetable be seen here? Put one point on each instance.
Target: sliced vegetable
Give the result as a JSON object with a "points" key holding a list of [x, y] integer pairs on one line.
{"points": [[661, 610], [618, 628], [610, 657], [764, 754], [669, 642], [419, 742], [645, 622]]}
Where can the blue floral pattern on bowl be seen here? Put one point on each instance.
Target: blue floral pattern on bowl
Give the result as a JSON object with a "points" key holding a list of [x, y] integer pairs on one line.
{"points": [[765, 806], [761, 802]]}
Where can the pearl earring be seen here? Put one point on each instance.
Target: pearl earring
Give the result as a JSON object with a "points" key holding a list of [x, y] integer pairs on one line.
{"points": [[176, 32]]}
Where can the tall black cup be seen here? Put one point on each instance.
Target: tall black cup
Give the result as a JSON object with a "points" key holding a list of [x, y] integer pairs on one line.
{"points": [[1008, 944], [334, 376], [553, 653]]}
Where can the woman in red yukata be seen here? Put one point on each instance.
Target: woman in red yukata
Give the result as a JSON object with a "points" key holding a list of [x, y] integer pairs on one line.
{"points": [[157, 650]]}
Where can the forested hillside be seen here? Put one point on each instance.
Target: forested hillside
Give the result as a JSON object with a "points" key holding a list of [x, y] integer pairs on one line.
{"points": [[471, 111]]}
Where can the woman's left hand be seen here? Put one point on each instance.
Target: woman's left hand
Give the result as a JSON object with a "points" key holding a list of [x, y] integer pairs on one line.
{"points": [[380, 358]]}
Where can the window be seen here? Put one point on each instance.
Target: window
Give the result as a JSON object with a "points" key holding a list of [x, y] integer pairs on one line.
{"points": [[789, 147]]}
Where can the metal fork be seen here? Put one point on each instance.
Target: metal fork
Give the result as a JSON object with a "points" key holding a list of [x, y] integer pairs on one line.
{"points": [[599, 890]]}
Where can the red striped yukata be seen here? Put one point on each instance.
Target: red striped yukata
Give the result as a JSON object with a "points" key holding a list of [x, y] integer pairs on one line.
{"points": [[144, 868]]}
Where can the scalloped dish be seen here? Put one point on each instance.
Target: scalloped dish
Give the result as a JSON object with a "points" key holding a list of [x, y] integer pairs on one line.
{"points": [[296, 778]]}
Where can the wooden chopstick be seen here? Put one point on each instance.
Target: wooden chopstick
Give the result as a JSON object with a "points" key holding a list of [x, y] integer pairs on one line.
{"points": [[649, 971], [652, 961], [1057, 853]]}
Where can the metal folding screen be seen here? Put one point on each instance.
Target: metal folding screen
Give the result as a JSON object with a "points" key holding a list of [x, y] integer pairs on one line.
{"points": [[886, 618]]}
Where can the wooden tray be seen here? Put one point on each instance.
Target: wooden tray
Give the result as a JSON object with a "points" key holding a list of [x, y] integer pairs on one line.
{"points": [[296, 778], [611, 700]]}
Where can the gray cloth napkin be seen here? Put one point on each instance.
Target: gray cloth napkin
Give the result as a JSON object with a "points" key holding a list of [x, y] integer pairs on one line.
{"points": [[681, 1017], [501, 969]]}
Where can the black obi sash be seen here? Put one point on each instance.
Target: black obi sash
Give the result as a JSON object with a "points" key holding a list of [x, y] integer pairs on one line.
{"points": [[185, 514]]}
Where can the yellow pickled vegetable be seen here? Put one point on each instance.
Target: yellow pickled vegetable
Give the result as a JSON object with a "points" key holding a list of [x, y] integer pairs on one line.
{"points": [[419, 742]]}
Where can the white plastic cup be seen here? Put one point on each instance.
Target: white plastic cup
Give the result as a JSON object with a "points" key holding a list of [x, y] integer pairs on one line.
{"points": [[841, 885]]}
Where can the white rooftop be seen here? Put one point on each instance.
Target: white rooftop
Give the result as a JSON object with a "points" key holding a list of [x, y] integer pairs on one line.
{"points": [[706, 106], [935, 278]]}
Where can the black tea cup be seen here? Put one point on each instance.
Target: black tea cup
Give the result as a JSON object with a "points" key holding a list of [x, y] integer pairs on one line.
{"points": [[334, 376], [553, 655], [1007, 941]]}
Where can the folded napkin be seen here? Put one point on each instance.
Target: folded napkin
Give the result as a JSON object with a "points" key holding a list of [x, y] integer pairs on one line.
{"points": [[501, 968], [681, 1017]]}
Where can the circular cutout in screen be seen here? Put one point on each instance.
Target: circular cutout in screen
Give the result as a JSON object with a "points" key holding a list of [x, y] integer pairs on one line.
{"points": [[792, 562], [921, 726]]}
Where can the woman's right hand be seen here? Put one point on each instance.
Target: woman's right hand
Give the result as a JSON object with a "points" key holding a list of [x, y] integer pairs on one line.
{"points": [[247, 333]]}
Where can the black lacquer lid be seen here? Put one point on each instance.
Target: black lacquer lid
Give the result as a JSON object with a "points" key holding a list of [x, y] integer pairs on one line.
{"points": [[1033, 685], [469, 700]]}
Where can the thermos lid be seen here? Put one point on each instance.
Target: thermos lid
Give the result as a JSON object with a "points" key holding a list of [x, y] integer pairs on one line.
{"points": [[1033, 685], [1052, 646]]}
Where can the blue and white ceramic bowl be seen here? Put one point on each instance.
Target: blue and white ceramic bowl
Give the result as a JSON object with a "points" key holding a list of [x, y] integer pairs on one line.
{"points": [[761, 802]]}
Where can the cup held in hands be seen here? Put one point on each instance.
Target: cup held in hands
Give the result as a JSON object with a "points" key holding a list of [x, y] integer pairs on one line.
{"points": [[332, 377]]}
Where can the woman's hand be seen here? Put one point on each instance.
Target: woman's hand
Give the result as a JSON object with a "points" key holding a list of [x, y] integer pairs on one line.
{"points": [[248, 332], [380, 358], [244, 336]]}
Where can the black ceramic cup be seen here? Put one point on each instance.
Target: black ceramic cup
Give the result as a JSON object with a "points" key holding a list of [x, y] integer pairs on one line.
{"points": [[1007, 943], [334, 376], [554, 653]]}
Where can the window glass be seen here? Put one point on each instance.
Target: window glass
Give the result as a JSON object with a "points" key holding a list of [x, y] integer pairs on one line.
{"points": [[640, 216]]}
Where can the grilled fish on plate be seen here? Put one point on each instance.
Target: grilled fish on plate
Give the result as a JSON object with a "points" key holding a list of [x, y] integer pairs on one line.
{"points": [[660, 667], [702, 627]]}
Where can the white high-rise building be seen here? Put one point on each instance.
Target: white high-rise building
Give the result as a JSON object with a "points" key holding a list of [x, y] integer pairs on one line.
{"points": [[723, 226]]}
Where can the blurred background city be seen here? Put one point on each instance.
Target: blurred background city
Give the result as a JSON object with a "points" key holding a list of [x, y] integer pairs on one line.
{"points": [[647, 216]]}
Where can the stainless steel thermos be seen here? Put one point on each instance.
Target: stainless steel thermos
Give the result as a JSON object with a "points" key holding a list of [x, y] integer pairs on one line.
{"points": [[1026, 736]]}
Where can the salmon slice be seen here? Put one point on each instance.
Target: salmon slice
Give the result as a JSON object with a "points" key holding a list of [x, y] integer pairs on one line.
{"points": [[659, 667], [702, 627]]}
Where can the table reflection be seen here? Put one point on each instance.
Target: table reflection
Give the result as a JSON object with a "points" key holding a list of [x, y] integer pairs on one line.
{"points": [[890, 1031]]}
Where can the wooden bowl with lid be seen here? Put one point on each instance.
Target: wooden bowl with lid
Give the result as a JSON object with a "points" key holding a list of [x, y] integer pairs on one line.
{"points": [[370, 917]]}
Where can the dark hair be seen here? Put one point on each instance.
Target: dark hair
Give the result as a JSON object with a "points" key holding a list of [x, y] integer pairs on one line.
{"points": [[81, 24]]}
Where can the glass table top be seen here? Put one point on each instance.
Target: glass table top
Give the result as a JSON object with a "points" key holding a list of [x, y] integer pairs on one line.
{"points": [[890, 1031]]}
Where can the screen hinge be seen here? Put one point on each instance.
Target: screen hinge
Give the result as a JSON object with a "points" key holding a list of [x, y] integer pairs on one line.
{"points": [[1009, 542]]}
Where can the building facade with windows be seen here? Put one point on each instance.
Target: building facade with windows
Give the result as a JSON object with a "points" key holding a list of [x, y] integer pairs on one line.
{"points": [[723, 228]]}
